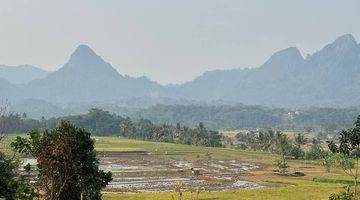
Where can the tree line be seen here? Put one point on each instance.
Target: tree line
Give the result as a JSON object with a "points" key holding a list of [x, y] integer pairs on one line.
{"points": [[242, 117], [100, 122]]}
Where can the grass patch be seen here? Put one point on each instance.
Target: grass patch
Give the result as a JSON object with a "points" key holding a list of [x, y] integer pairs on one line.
{"points": [[303, 191], [334, 180]]}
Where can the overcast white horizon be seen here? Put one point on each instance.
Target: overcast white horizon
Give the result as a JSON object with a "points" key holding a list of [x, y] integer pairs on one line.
{"points": [[166, 40]]}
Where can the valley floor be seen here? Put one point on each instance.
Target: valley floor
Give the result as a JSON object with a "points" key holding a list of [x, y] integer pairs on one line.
{"points": [[151, 170], [217, 162]]}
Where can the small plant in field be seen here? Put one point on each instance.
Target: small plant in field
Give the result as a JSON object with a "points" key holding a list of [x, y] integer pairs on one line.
{"points": [[178, 188], [282, 165], [283, 146], [208, 155], [328, 162], [241, 146]]}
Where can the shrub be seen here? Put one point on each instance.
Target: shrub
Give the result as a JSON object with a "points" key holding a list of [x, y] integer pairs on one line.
{"points": [[343, 195], [282, 165], [297, 152], [316, 153]]}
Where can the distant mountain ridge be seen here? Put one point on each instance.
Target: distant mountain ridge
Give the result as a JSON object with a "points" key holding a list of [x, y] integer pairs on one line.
{"points": [[86, 77], [329, 77], [21, 74]]}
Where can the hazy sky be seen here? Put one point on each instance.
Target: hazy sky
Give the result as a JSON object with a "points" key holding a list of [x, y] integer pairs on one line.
{"points": [[170, 41]]}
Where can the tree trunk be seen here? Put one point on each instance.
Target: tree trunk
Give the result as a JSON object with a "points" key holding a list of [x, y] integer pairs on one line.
{"points": [[356, 176]]}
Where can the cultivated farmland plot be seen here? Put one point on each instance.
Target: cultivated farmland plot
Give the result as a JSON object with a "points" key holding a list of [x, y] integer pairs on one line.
{"points": [[153, 170], [148, 172]]}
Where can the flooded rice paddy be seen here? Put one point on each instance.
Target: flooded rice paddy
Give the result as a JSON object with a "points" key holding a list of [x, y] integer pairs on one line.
{"points": [[145, 172]]}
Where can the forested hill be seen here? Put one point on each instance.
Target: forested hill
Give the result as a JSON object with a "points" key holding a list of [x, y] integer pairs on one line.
{"points": [[213, 117], [230, 117]]}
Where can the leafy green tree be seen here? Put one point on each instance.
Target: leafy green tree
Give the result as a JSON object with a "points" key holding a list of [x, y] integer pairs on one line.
{"points": [[200, 133], [251, 141], [300, 140], [297, 152], [316, 151], [67, 164], [328, 161], [349, 147], [283, 147], [267, 140]]}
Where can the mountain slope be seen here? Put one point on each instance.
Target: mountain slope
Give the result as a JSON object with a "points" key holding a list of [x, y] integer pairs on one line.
{"points": [[329, 77], [21, 74], [87, 77], [8, 90]]}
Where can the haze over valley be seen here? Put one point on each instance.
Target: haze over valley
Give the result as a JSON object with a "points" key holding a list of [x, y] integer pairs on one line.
{"points": [[325, 78]]}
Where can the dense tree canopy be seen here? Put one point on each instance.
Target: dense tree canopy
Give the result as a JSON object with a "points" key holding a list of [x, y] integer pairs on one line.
{"points": [[67, 163], [100, 122], [221, 117], [231, 117]]}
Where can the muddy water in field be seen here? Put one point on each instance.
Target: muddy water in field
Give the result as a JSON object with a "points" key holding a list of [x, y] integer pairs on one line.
{"points": [[151, 173]]}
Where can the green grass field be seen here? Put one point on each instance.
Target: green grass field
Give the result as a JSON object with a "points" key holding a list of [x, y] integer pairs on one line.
{"points": [[297, 189]]}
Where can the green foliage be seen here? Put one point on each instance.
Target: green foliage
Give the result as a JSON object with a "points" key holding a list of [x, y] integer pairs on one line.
{"points": [[223, 117], [349, 148], [146, 130], [297, 153], [333, 180], [232, 117], [13, 186], [67, 162], [315, 153], [241, 146], [343, 195], [346, 163], [274, 142], [97, 121], [329, 161], [300, 139], [283, 146], [282, 165], [260, 140], [100, 122], [14, 123]]}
